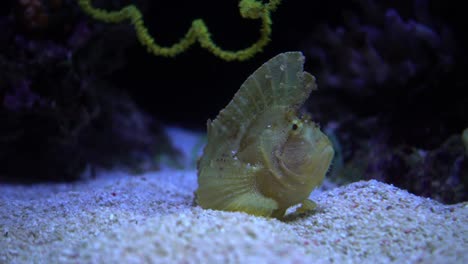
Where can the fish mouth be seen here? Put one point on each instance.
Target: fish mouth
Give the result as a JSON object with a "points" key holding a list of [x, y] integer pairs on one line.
{"points": [[327, 149], [327, 153]]}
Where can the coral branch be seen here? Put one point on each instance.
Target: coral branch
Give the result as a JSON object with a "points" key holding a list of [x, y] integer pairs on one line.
{"points": [[251, 9]]}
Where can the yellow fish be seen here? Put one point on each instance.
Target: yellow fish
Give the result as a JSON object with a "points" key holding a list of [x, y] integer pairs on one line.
{"points": [[261, 158]]}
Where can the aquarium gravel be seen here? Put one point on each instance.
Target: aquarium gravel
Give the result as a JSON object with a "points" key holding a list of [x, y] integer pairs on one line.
{"points": [[151, 218]]}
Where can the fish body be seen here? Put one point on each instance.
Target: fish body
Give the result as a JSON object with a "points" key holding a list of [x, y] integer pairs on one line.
{"points": [[261, 157]]}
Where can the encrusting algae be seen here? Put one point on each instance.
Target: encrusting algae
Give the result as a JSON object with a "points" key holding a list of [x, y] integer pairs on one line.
{"points": [[261, 158]]}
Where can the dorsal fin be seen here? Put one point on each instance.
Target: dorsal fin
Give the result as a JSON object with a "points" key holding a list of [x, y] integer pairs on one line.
{"points": [[280, 81]]}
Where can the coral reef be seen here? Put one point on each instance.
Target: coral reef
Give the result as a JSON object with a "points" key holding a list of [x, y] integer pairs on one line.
{"points": [[58, 114], [394, 94], [198, 32]]}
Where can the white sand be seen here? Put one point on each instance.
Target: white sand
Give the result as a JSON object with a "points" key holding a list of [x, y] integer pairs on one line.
{"points": [[118, 218], [151, 218]]}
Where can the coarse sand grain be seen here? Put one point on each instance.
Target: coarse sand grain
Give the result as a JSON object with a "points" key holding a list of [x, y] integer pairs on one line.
{"points": [[151, 218]]}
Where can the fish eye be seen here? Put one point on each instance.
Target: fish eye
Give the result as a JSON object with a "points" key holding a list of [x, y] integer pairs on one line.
{"points": [[294, 127]]}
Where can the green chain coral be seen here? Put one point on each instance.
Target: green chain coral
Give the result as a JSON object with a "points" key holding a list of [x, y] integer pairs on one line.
{"points": [[251, 9]]}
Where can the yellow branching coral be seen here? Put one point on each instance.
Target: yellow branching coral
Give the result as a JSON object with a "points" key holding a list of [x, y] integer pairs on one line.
{"points": [[251, 9]]}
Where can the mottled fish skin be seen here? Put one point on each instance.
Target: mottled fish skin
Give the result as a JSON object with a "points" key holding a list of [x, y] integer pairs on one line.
{"points": [[261, 158]]}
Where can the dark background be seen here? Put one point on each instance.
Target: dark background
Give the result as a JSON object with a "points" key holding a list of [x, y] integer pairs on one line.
{"points": [[194, 86], [78, 93]]}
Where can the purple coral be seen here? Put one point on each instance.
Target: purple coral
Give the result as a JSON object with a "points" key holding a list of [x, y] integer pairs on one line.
{"points": [[389, 80], [22, 97], [379, 49], [57, 113]]}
